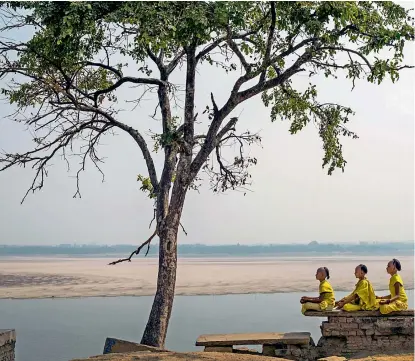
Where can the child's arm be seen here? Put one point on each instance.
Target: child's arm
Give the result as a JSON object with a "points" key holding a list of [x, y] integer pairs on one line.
{"points": [[311, 299], [389, 299], [383, 297], [346, 300]]}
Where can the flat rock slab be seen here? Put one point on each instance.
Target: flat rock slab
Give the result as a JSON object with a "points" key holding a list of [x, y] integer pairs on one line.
{"points": [[265, 338], [114, 345], [178, 356], [407, 313]]}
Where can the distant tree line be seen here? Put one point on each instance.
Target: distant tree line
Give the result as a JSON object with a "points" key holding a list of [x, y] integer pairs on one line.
{"points": [[314, 247]]}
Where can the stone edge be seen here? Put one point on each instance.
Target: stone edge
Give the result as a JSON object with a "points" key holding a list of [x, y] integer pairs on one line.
{"points": [[408, 313], [7, 336]]}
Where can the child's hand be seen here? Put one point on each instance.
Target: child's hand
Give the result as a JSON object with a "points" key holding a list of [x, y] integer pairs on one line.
{"points": [[384, 302], [339, 304]]}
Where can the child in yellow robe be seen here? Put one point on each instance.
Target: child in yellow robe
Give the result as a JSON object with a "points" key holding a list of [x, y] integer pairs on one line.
{"points": [[326, 299], [363, 297], [397, 300]]}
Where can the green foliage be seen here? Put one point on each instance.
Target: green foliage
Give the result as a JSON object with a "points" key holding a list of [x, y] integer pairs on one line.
{"points": [[146, 186], [364, 40]]}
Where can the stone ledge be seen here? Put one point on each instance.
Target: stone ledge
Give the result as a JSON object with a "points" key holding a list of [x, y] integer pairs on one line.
{"points": [[114, 345], [407, 313], [7, 336]]}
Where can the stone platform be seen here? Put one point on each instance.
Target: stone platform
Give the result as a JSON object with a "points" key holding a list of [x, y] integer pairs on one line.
{"points": [[7, 344], [348, 333]]}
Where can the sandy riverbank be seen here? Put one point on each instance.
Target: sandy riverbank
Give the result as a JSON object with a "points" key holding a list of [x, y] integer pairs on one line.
{"points": [[64, 277]]}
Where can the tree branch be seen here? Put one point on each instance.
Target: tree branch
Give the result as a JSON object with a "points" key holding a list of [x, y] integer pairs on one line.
{"points": [[237, 52], [340, 48], [137, 251], [269, 42], [107, 67], [129, 79]]}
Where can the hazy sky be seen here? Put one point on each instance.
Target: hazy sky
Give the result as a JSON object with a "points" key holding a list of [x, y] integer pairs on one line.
{"points": [[292, 199]]}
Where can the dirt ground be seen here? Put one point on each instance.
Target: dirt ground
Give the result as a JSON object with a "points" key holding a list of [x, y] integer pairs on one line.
{"points": [[179, 356], [215, 356]]}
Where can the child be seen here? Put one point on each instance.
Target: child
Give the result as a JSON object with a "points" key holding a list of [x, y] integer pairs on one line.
{"points": [[397, 300], [326, 299], [363, 297]]}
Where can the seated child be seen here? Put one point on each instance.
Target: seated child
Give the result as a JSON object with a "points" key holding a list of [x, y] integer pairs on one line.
{"points": [[326, 299], [363, 297], [397, 300]]}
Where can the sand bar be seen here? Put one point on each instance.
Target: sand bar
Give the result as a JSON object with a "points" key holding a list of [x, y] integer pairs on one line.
{"points": [[35, 277]]}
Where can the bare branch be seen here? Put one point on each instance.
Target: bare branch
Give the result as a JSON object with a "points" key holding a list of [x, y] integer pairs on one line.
{"points": [[184, 231], [137, 251]]}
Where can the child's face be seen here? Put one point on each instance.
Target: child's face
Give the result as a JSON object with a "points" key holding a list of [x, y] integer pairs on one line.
{"points": [[358, 272], [390, 268], [320, 275]]}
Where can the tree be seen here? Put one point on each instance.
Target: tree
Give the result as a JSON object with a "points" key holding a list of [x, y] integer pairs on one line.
{"points": [[69, 71]]}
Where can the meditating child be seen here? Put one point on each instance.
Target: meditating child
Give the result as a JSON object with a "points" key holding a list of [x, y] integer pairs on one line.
{"points": [[325, 301], [397, 300], [363, 297]]}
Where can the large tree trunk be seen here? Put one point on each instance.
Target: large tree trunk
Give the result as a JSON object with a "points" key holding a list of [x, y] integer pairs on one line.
{"points": [[169, 213], [156, 329]]}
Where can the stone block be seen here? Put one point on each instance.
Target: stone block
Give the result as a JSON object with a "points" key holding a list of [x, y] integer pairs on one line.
{"points": [[395, 326], [7, 345], [228, 349], [246, 350], [268, 350], [349, 326], [351, 333], [367, 326], [332, 326], [354, 340], [365, 320], [281, 352], [113, 345], [369, 332], [296, 352]]}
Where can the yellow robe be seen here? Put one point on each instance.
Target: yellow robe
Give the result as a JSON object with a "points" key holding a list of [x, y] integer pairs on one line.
{"points": [[327, 294], [401, 303], [366, 300]]}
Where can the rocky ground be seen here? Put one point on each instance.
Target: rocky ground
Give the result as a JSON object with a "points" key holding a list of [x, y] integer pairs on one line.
{"points": [[215, 356]]}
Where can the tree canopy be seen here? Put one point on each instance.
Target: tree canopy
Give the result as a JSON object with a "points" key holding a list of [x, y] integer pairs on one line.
{"points": [[67, 69]]}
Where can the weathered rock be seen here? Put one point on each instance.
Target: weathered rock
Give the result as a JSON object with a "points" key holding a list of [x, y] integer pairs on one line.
{"points": [[7, 345], [268, 350], [113, 345], [218, 349]]}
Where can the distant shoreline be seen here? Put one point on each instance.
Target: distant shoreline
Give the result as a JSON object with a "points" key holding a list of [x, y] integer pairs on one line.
{"points": [[54, 277], [176, 294], [200, 250]]}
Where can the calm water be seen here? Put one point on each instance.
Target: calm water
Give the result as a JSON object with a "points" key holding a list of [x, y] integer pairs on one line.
{"points": [[63, 329]]}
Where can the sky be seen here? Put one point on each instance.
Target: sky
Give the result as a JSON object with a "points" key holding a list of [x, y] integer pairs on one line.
{"points": [[291, 200]]}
